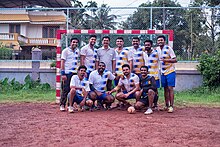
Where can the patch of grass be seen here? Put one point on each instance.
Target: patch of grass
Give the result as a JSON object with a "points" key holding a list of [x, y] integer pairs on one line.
{"points": [[33, 95], [201, 96]]}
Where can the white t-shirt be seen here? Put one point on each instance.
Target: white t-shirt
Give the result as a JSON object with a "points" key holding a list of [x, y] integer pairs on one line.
{"points": [[75, 81], [129, 84], [71, 59], [90, 57], [166, 53], [99, 82]]}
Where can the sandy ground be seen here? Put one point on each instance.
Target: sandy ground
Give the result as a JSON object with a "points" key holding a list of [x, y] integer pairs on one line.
{"points": [[40, 124]]}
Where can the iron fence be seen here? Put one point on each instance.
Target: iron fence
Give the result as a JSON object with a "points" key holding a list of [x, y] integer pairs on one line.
{"points": [[196, 29]]}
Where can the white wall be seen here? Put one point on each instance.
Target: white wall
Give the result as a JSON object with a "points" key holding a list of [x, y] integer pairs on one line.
{"points": [[24, 29], [4, 28], [34, 31]]}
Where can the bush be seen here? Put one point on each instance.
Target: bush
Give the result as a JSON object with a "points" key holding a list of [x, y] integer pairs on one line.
{"points": [[6, 85], [209, 67], [5, 53]]}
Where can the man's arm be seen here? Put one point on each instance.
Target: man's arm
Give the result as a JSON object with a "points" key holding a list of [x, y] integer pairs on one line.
{"points": [[63, 76], [93, 89], [82, 59], [113, 66]]}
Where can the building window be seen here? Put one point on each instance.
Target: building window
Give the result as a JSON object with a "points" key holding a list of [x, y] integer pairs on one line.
{"points": [[50, 31], [14, 28]]}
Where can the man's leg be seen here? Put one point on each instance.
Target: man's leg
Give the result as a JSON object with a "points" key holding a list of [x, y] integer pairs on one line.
{"points": [[171, 83], [109, 85], [71, 97]]}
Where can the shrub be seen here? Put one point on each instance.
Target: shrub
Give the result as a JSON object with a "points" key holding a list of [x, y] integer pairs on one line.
{"points": [[209, 67], [5, 53]]}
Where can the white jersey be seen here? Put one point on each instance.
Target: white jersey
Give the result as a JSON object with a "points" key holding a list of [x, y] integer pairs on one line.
{"points": [[152, 62], [75, 81], [121, 59], [90, 57], [99, 81], [166, 53], [129, 84], [71, 60]]}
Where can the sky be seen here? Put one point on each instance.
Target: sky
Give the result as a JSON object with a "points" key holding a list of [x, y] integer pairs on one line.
{"points": [[129, 3]]}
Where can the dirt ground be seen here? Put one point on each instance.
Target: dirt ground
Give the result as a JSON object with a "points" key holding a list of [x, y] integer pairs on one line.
{"points": [[40, 124]]}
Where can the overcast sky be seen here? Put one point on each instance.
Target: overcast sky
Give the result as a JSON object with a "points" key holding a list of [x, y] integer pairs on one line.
{"points": [[129, 3]]}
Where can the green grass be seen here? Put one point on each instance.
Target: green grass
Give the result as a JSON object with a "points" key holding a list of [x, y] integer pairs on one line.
{"points": [[31, 95], [196, 97]]}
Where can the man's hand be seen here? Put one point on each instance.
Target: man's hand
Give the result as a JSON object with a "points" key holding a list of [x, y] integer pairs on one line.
{"points": [[126, 95], [82, 102], [109, 92], [64, 78], [98, 93]]}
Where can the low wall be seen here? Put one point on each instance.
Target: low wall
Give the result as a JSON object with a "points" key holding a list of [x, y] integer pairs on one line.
{"points": [[185, 79]]}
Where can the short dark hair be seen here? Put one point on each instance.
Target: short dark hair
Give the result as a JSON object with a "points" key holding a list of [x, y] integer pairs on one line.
{"points": [[81, 67], [151, 42], [136, 38], [102, 63], [162, 36], [74, 39], [126, 65], [121, 38], [144, 67], [92, 36], [106, 37]]}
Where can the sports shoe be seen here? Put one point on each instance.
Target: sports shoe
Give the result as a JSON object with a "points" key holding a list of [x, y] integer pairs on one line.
{"points": [[149, 111], [62, 108], [170, 109], [71, 110]]}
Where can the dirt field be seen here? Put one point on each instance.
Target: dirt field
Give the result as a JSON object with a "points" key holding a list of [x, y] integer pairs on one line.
{"points": [[29, 124]]}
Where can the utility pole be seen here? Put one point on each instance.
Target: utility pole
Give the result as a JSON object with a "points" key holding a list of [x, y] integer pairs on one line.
{"points": [[164, 26]]}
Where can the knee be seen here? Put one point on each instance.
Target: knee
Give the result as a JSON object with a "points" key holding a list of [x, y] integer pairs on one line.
{"points": [[73, 91], [151, 93], [92, 95], [89, 103], [110, 98], [118, 95]]}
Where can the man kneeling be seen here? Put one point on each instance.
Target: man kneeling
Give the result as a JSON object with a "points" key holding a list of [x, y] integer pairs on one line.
{"points": [[79, 89], [148, 90]]}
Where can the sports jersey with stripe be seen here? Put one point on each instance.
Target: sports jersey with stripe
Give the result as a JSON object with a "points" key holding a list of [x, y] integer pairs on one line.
{"points": [[71, 59], [136, 55], [99, 81], [75, 81], [152, 61], [90, 57], [129, 83], [121, 59], [166, 53]]}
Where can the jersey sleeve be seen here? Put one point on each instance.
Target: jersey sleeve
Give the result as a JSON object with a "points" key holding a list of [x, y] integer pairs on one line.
{"points": [[91, 78], [136, 79], [111, 76], [83, 51], [73, 82], [64, 54], [87, 86], [172, 54]]}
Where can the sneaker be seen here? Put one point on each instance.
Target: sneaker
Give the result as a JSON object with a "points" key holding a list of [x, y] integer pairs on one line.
{"points": [[149, 111], [71, 110], [62, 108], [170, 109]]}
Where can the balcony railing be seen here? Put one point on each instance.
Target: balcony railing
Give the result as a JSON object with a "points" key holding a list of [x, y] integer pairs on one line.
{"points": [[27, 41]]}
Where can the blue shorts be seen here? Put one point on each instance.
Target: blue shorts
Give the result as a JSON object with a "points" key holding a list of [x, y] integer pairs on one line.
{"points": [[101, 97], [131, 96], [168, 80], [158, 83], [77, 98]]}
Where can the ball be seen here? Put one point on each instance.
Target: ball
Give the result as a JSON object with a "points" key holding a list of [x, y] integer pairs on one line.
{"points": [[131, 110]]}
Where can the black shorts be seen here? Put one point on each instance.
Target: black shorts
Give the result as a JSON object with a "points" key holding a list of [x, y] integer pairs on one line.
{"points": [[144, 100]]}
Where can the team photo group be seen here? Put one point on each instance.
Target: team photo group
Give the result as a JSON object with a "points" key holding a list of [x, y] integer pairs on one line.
{"points": [[122, 73]]}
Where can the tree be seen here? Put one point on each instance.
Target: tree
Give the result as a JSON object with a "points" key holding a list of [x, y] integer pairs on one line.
{"points": [[172, 19], [101, 19]]}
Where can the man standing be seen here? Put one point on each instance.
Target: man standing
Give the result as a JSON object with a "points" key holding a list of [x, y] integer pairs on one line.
{"points": [[168, 74], [79, 89], [107, 55], [69, 59], [151, 59], [148, 90], [136, 59], [98, 79], [121, 58], [88, 55], [130, 81]]}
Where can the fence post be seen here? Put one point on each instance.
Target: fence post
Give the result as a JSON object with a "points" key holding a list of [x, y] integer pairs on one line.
{"points": [[36, 57]]}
